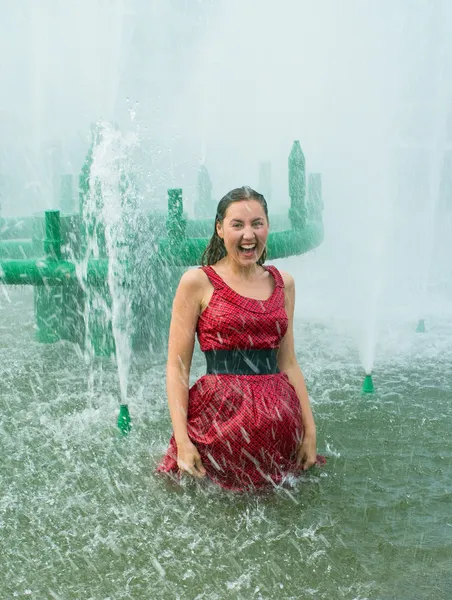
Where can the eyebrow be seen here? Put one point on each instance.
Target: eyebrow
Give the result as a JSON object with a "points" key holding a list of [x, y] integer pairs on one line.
{"points": [[254, 220]]}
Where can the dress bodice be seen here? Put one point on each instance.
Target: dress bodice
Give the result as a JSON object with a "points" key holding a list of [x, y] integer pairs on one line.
{"points": [[234, 321]]}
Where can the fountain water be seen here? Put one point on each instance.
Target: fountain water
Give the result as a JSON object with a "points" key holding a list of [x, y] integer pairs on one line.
{"points": [[111, 212], [438, 144], [81, 514]]}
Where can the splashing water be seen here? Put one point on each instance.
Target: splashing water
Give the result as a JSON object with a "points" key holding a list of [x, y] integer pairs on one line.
{"points": [[112, 210]]}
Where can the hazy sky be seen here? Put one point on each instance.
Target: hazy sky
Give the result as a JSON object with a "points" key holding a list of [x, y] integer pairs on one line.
{"points": [[361, 84], [228, 82]]}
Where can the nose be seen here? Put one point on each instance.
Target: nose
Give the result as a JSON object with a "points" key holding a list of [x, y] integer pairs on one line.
{"points": [[248, 233]]}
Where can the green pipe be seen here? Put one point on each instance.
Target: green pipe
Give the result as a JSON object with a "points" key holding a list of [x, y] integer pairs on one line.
{"points": [[204, 227], [187, 252], [49, 272], [280, 244], [173, 252]]}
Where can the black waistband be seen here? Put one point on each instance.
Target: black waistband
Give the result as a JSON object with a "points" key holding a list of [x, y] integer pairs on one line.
{"points": [[242, 362]]}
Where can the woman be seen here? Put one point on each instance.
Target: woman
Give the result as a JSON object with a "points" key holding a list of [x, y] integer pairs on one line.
{"points": [[247, 423]]}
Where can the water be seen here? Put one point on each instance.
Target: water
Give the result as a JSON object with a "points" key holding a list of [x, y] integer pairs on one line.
{"points": [[82, 514], [113, 203]]}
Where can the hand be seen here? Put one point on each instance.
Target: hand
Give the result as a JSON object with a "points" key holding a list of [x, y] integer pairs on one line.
{"points": [[306, 454], [189, 460]]}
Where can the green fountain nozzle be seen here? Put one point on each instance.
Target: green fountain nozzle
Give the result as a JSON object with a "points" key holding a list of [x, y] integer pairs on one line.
{"points": [[420, 326], [124, 420], [204, 206], [368, 385], [175, 222], [297, 187]]}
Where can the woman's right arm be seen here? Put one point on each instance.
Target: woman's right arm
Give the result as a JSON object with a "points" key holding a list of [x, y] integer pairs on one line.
{"points": [[186, 311]]}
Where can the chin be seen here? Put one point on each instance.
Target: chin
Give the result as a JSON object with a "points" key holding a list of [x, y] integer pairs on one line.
{"points": [[248, 260]]}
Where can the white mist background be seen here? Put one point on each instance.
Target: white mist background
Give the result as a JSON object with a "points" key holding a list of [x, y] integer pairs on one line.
{"points": [[361, 84]]}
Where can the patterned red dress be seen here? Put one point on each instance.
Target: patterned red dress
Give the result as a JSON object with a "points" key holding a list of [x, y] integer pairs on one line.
{"points": [[246, 427]]}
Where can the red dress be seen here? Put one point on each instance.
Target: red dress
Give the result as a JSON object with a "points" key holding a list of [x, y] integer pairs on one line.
{"points": [[245, 427]]}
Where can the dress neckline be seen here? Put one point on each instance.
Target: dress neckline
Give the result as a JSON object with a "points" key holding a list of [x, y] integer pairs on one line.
{"points": [[247, 298]]}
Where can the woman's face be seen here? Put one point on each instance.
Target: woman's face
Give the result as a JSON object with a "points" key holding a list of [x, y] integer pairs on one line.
{"points": [[244, 231]]}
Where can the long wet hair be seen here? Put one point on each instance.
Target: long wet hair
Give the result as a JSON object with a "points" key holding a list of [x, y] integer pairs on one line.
{"points": [[216, 249]]}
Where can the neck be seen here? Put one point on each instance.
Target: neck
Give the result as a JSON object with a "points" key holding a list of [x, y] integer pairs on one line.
{"points": [[240, 271]]}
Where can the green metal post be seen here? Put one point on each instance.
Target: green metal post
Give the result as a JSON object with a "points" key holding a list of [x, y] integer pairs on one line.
{"points": [[420, 326], [47, 309], [297, 186], [52, 242], [72, 326], [204, 206], [175, 223]]}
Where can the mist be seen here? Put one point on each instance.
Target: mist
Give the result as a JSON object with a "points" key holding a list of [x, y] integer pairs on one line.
{"points": [[362, 85]]}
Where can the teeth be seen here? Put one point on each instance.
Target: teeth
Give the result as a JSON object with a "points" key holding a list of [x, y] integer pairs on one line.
{"points": [[248, 246]]}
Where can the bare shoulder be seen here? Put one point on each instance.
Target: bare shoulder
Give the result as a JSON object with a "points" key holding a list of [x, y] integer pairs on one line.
{"points": [[194, 280], [289, 282]]}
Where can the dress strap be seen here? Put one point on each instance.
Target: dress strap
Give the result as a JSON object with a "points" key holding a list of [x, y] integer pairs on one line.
{"points": [[213, 276], [279, 281]]}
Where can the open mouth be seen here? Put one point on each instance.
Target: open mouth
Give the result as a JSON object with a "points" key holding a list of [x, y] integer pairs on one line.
{"points": [[247, 249]]}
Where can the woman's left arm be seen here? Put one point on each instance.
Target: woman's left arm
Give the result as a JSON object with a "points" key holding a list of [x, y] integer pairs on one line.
{"points": [[287, 363]]}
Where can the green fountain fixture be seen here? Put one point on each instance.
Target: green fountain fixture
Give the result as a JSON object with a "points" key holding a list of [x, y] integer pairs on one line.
{"points": [[368, 385], [420, 328], [203, 204], [297, 187], [124, 420], [50, 251]]}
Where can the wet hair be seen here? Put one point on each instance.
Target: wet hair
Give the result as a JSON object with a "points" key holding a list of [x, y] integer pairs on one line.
{"points": [[216, 250]]}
